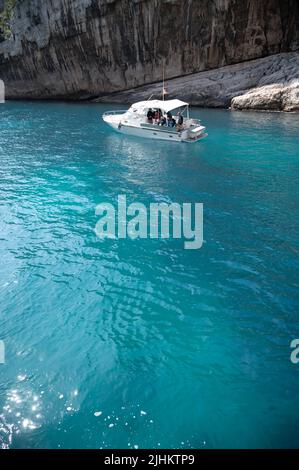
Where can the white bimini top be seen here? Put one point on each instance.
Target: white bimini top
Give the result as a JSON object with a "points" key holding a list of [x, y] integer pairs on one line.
{"points": [[165, 106]]}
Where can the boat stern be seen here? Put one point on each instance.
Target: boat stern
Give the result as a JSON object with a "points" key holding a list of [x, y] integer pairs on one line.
{"points": [[194, 134]]}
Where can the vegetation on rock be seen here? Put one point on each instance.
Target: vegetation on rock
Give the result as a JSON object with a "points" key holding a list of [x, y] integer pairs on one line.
{"points": [[5, 18]]}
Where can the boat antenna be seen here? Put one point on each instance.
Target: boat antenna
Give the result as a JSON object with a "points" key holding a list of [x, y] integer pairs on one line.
{"points": [[164, 91], [163, 80]]}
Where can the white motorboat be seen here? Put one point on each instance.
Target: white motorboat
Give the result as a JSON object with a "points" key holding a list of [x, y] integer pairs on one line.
{"points": [[157, 119]]}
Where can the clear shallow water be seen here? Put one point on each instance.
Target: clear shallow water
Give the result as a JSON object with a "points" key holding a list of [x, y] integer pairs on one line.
{"points": [[175, 348]]}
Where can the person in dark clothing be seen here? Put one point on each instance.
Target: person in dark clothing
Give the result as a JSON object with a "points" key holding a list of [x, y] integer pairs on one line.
{"points": [[180, 119], [169, 119], [180, 122], [150, 115], [163, 121]]}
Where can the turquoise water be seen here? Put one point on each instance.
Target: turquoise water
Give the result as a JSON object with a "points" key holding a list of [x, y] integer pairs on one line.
{"points": [[170, 348]]}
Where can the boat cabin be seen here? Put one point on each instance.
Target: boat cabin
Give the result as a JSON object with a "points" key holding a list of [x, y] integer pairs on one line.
{"points": [[168, 114]]}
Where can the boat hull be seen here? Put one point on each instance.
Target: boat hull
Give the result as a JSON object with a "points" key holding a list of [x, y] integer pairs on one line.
{"points": [[152, 133]]}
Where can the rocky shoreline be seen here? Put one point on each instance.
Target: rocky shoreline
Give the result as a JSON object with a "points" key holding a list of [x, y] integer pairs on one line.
{"points": [[270, 84]]}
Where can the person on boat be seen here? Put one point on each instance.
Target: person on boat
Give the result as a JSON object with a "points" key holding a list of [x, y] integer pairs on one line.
{"points": [[169, 120], [180, 122], [157, 116], [163, 121], [150, 115]]}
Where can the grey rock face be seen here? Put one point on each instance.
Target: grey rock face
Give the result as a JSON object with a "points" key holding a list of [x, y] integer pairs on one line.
{"points": [[271, 83], [272, 97], [82, 48]]}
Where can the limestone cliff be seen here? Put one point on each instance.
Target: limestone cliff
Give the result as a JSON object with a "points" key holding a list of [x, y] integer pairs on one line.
{"points": [[75, 48], [270, 83], [83, 48]]}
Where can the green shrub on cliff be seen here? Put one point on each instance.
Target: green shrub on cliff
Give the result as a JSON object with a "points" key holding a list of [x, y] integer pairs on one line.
{"points": [[5, 18]]}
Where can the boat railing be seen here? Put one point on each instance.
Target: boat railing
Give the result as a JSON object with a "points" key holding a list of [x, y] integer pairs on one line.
{"points": [[117, 111]]}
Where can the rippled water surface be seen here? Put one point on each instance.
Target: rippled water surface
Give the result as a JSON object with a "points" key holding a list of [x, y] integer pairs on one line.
{"points": [[142, 343]]}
